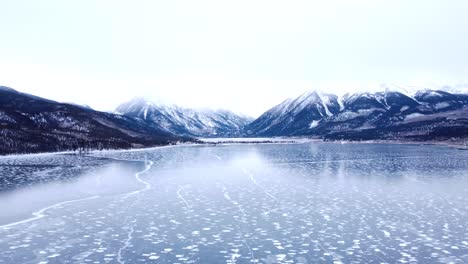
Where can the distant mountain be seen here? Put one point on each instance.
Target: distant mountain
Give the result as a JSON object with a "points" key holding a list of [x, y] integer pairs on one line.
{"points": [[32, 124], [185, 121], [425, 115], [294, 115]]}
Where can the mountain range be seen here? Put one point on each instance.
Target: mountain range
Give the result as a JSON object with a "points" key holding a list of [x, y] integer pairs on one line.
{"points": [[185, 121], [390, 115], [33, 124]]}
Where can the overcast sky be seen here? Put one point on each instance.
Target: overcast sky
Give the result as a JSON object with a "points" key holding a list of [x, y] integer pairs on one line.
{"points": [[241, 55]]}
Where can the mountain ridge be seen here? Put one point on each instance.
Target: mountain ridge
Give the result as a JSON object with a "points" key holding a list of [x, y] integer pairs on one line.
{"points": [[185, 121], [33, 124], [366, 115]]}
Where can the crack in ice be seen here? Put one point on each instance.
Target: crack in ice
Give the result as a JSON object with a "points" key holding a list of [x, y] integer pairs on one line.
{"points": [[254, 181], [244, 220], [148, 165], [41, 213], [126, 245], [181, 197]]}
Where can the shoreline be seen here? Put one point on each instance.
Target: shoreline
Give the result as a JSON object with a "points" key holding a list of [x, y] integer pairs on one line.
{"points": [[71, 152], [251, 141]]}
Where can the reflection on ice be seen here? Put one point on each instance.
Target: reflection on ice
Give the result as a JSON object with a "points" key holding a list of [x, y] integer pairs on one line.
{"points": [[103, 179], [297, 203]]}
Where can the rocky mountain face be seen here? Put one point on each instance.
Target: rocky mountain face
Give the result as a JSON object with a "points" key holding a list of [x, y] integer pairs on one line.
{"points": [[185, 121], [425, 115], [32, 124], [294, 115]]}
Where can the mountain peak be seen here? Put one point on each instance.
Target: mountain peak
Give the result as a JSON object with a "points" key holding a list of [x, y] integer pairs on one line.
{"points": [[185, 121], [315, 113], [7, 89]]}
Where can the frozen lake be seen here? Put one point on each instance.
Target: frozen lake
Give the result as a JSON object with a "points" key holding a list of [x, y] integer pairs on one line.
{"points": [[272, 203]]}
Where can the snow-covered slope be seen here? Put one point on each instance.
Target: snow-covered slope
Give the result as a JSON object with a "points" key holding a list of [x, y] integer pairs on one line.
{"points": [[185, 121], [384, 114], [295, 114], [32, 124]]}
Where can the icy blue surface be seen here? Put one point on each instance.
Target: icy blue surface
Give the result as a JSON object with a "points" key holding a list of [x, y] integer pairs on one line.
{"points": [[279, 203]]}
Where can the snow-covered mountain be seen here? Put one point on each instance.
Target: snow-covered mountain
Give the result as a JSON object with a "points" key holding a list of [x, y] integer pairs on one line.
{"points": [[390, 114], [185, 121], [295, 114], [32, 124]]}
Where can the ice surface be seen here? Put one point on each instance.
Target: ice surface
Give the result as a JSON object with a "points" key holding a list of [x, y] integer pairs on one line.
{"points": [[288, 203]]}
